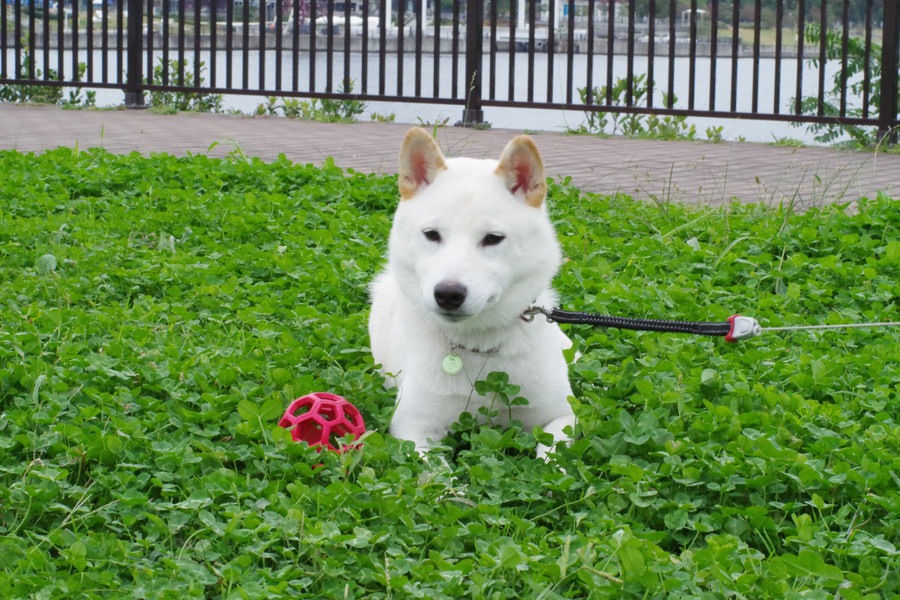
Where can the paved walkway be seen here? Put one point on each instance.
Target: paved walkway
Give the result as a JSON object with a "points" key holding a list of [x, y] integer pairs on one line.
{"points": [[661, 171]]}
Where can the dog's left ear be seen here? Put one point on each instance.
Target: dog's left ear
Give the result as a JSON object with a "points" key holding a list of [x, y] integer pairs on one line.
{"points": [[522, 169]]}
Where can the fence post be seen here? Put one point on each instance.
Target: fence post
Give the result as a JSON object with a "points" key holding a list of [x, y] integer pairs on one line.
{"points": [[134, 75], [473, 113], [887, 111]]}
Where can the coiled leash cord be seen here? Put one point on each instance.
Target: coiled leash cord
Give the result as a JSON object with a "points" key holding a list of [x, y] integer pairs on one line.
{"points": [[736, 328]]}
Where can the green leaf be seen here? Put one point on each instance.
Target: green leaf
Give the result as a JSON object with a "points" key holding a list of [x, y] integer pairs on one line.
{"points": [[248, 410], [808, 563], [708, 377]]}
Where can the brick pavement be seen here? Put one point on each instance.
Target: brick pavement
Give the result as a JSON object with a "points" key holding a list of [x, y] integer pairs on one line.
{"points": [[691, 172]]}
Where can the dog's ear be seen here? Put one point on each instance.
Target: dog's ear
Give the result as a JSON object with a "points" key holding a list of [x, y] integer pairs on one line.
{"points": [[420, 162], [522, 169]]}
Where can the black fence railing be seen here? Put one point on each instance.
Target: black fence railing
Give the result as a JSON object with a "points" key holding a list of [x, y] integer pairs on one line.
{"points": [[807, 61]]}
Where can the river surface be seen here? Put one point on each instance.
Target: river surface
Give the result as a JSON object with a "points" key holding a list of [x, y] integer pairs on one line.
{"points": [[549, 84]]}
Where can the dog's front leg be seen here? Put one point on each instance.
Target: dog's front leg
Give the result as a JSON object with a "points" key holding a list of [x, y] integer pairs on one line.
{"points": [[556, 428], [419, 419]]}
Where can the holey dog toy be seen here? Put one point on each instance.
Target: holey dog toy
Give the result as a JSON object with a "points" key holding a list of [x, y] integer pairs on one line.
{"points": [[321, 420]]}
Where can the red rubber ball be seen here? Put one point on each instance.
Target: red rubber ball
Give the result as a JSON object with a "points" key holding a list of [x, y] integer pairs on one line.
{"points": [[323, 419]]}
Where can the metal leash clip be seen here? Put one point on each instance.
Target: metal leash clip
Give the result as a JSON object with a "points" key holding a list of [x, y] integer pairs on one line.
{"points": [[530, 312]]}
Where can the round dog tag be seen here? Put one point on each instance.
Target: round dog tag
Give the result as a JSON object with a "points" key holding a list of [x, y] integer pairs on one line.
{"points": [[452, 364]]}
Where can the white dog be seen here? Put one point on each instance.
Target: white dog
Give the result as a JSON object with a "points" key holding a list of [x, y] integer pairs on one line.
{"points": [[471, 249]]}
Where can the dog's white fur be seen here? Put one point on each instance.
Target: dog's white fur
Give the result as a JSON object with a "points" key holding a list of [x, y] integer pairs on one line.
{"points": [[475, 232]]}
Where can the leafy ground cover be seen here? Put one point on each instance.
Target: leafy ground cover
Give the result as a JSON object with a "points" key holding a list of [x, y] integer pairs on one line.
{"points": [[158, 314]]}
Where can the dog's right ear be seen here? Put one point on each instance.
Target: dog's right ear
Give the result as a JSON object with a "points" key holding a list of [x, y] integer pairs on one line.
{"points": [[420, 162]]}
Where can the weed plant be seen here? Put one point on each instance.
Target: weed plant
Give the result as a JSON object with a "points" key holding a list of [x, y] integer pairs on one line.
{"points": [[158, 314], [325, 110], [46, 94], [856, 60], [649, 126], [172, 72]]}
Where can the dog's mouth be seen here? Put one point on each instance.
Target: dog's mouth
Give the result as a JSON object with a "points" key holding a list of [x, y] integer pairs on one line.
{"points": [[453, 316]]}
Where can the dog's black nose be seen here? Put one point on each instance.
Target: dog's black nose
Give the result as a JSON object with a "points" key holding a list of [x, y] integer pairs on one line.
{"points": [[450, 295]]}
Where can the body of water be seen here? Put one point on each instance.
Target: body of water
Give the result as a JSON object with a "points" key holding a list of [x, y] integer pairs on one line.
{"points": [[549, 83]]}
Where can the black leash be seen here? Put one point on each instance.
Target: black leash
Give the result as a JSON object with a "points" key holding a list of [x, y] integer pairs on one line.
{"points": [[734, 329]]}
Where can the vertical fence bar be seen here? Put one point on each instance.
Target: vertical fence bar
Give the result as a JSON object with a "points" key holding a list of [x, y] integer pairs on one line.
{"points": [[401, 38], [473, 112], [651, 50], [31, 46], [182, 11], [757, 25], [454, 53], [148, 40], [229, 44], [329, 48], [197, 33], [714, 53], [887, 110], [29, 10], [104, 43], [89, 29], [17, 40], [295, 45], [61, 39], [610, 48], [346, 82], [670, 95], [801, 18], [261, 44], [134, 94], [278, 19], [629, 55], [779, 24], [213, 41], [436, 65], [492, 60], [531, 49], [867, 61], [164, 28], [420, 31], [845, 44], [76, 27], [692, 54], [551, 47], [382, 45], [735, 50], [4, 69], [589, 87], [45, 38], [823, 34], [313, 42], [120, 42], [245, 45], [511, 51], [364, 76], [570, 53]]}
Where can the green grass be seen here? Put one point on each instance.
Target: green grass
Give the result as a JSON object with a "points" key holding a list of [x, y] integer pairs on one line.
{"points": [[158, 314]]}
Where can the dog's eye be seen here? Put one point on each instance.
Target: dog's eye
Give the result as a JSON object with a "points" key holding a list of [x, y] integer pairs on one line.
{"points": [[492, 239], [432, 235]]}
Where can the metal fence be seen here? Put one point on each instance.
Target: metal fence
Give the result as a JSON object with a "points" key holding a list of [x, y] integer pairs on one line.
{"points": [[810, 61]]}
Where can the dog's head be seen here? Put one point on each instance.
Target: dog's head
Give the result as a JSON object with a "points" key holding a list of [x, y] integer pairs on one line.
{"points": [[471, 241]]}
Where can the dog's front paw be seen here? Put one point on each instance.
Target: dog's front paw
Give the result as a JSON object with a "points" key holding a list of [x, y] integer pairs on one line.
{"points": [[562, 430]]}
